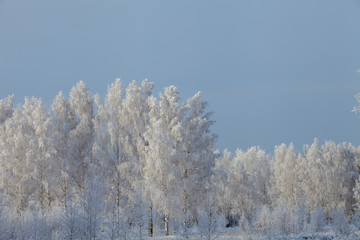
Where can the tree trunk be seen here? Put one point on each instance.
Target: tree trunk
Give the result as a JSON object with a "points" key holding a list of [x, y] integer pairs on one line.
{"points": [[49, 199], [185, 200], [150, 222], [185, 223], [166, 225], [185, 207]]}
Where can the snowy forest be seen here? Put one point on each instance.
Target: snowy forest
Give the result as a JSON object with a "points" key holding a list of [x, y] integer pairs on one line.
{"points": [[139, 166]]}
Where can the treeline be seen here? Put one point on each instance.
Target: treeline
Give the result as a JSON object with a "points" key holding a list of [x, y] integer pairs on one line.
{"points": [[134, 164]]}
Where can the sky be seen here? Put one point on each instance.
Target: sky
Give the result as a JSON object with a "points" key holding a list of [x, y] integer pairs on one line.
{"points": [[272, 72]]}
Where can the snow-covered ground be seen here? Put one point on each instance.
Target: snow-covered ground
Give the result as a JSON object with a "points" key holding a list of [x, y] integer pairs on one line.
{"points": [[234, 234], [298, 237]]}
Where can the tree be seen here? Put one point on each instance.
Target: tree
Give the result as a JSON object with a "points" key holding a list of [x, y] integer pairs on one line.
{"points": [[119, 145], [258, 164], [136, 110], [81, 137], [162, 153], [92, 207], [357, 193], [198, 160], [286, 176], [209, 219], [109, 150], [330, 172], [6, 108], [26, 154], [64, 121], [180, 154], [41, 150], [16, 182], [264, 222], [221, 178], [243, 204]]}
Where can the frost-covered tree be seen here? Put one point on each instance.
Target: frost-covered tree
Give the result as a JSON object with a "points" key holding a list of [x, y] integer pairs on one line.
{"points": [[329, 171], [136, 110], [119, 145], [281, 220], [357, 193], [286, 176], [180, 154], [41, 150], [70, 221], [243, 183], [108, 150], [242, 195], [64, 121], [209, 219], [341, 179], [18, 139], [221, 183], [139, 214], [162, 153], [264, 222], [17, 186], [6, 108], [258, 164], [81, 137], [85, 171], [92, 208], [26, 156], [198, 158], [282, 217]]}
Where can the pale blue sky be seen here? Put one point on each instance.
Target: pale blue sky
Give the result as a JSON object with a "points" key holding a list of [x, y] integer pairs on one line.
{"points": [[272, 71]]}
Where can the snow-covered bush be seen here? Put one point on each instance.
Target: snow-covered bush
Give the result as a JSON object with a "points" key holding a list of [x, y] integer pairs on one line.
{"points": [[356, 220], [207, 222], [300, 219], [318, 220], [339, 222], [71, 222], [5, 219], [282, 217], [263, 223], [281, 221]]}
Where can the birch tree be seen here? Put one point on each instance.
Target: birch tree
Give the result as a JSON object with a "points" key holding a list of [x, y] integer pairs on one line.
{"points": [[26, 155], [64, 121], [197, 144], [330, 172], [286, 176], [6, 108], [41, 150], [221, 178], [81, 137], [109, 151], [135, 115], [162, 153], [181, 151]]}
